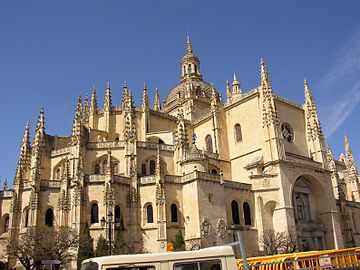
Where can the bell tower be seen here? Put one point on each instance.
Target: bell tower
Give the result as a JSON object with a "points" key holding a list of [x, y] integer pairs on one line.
{"points": [[190, 63]]}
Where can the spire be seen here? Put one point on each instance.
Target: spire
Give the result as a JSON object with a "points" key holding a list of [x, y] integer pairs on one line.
{"points": [[350, 161], [5, 187], [145, 99], [228, 92], [107, 100], [236, 86], [313, 124], [85, 112], [268, 105], [25, 150], [214, 99], [188, 44], [124, 95], [157, 103], [38, 142], [77, 123], [93, 102], [108, 168], [190, 63], [264, 75], [130, 126]]}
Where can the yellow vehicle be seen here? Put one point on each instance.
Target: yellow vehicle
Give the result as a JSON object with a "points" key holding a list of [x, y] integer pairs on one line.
{"points": [[214, 258], [324, 259]]}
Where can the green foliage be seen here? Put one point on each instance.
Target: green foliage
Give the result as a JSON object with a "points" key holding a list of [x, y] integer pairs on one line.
{"points": [[43, 243], [101, 247], [179, 243], [119, 242], [86, 246]]}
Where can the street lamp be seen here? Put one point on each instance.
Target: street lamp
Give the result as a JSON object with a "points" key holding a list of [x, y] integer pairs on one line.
{"points": [[109, 221]]}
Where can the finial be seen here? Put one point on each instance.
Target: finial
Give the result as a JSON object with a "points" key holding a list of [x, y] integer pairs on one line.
{"points": [[108, 85], [5, 184], [188, 44], [235, 79], [125, 84]]}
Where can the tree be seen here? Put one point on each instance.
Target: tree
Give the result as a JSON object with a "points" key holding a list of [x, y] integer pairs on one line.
{"points": [[43, 243], [119, 242], [86, 246], [179, 243], [279, 242], [101, 247]]}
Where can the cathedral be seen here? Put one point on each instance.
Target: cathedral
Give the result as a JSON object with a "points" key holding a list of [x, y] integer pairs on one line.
{"points": [[195, 163]]}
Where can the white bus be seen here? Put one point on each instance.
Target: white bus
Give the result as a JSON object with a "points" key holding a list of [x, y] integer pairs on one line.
{"points": [[214, 258]]}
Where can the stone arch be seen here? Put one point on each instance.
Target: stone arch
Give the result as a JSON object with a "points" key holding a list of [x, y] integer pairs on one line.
{"points": [[99, 164], [58, 170], [155, 139], [26, 217], [5, 226], [235, 212], [268, 214], [312, 213]]}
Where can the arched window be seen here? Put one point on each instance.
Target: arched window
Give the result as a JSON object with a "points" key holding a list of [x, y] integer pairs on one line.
{"points": [[97, 169], [238, 135], [208, 142], [6, 224], [94, 213], [174, 213], [149, 214], [49, 217], [247, 213], [58, 174], [214, 171], [152, 167], [103, 167], [235, 212], [161, 141], [26, 217], [116, 139], [117, 214], [143, 169], [116, 168]]}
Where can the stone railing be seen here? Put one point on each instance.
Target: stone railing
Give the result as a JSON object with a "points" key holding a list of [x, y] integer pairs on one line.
{"points": [[173, 179], [302, 160], [212, 155], [163, 147], [61, 151], [148, 179], [105, 145], [50, 183], [121, 179], [237, 185], [6, 194], [200, 175], [96, 177]]}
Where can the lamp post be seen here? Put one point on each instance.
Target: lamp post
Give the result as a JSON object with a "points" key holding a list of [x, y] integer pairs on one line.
{"points": [[109, 222]]}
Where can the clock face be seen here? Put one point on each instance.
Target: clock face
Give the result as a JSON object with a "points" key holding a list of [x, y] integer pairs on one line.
{"points": [[287, 132]]}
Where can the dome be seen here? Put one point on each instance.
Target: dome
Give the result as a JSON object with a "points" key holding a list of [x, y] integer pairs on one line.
{"points": [[201, 89]]}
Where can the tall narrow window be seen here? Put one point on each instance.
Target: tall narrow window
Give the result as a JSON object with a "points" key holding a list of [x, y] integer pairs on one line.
{"points": [[94, 213], [152, 167], [143, 169], [26, 217], [49, 217], [247, 213], [58, 174], [235, 212], [97, 169], [116, 168], [238, 135], [208, 142], [149, 214], [117, 215], [6, 224], [174, 213]]}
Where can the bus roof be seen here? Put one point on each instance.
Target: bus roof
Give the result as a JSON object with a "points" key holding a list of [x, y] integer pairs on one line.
{"points": [[220, 251]]}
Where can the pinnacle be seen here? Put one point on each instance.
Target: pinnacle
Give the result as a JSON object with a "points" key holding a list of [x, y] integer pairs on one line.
{"points": [[188, 44]]}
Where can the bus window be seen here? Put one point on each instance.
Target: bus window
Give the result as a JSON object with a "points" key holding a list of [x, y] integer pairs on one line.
{"points": [[206, 265], [90, 266], [142, 267]]}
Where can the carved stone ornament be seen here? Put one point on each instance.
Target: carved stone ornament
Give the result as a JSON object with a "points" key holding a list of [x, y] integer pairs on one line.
{"points": [[221, 228], [205, 227]]}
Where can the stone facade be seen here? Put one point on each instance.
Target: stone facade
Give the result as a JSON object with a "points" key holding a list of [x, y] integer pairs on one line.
{"points": [[196, 163]]}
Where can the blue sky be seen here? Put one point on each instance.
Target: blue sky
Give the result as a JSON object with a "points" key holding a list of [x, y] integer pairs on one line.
{"points": [[50, 51]]}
